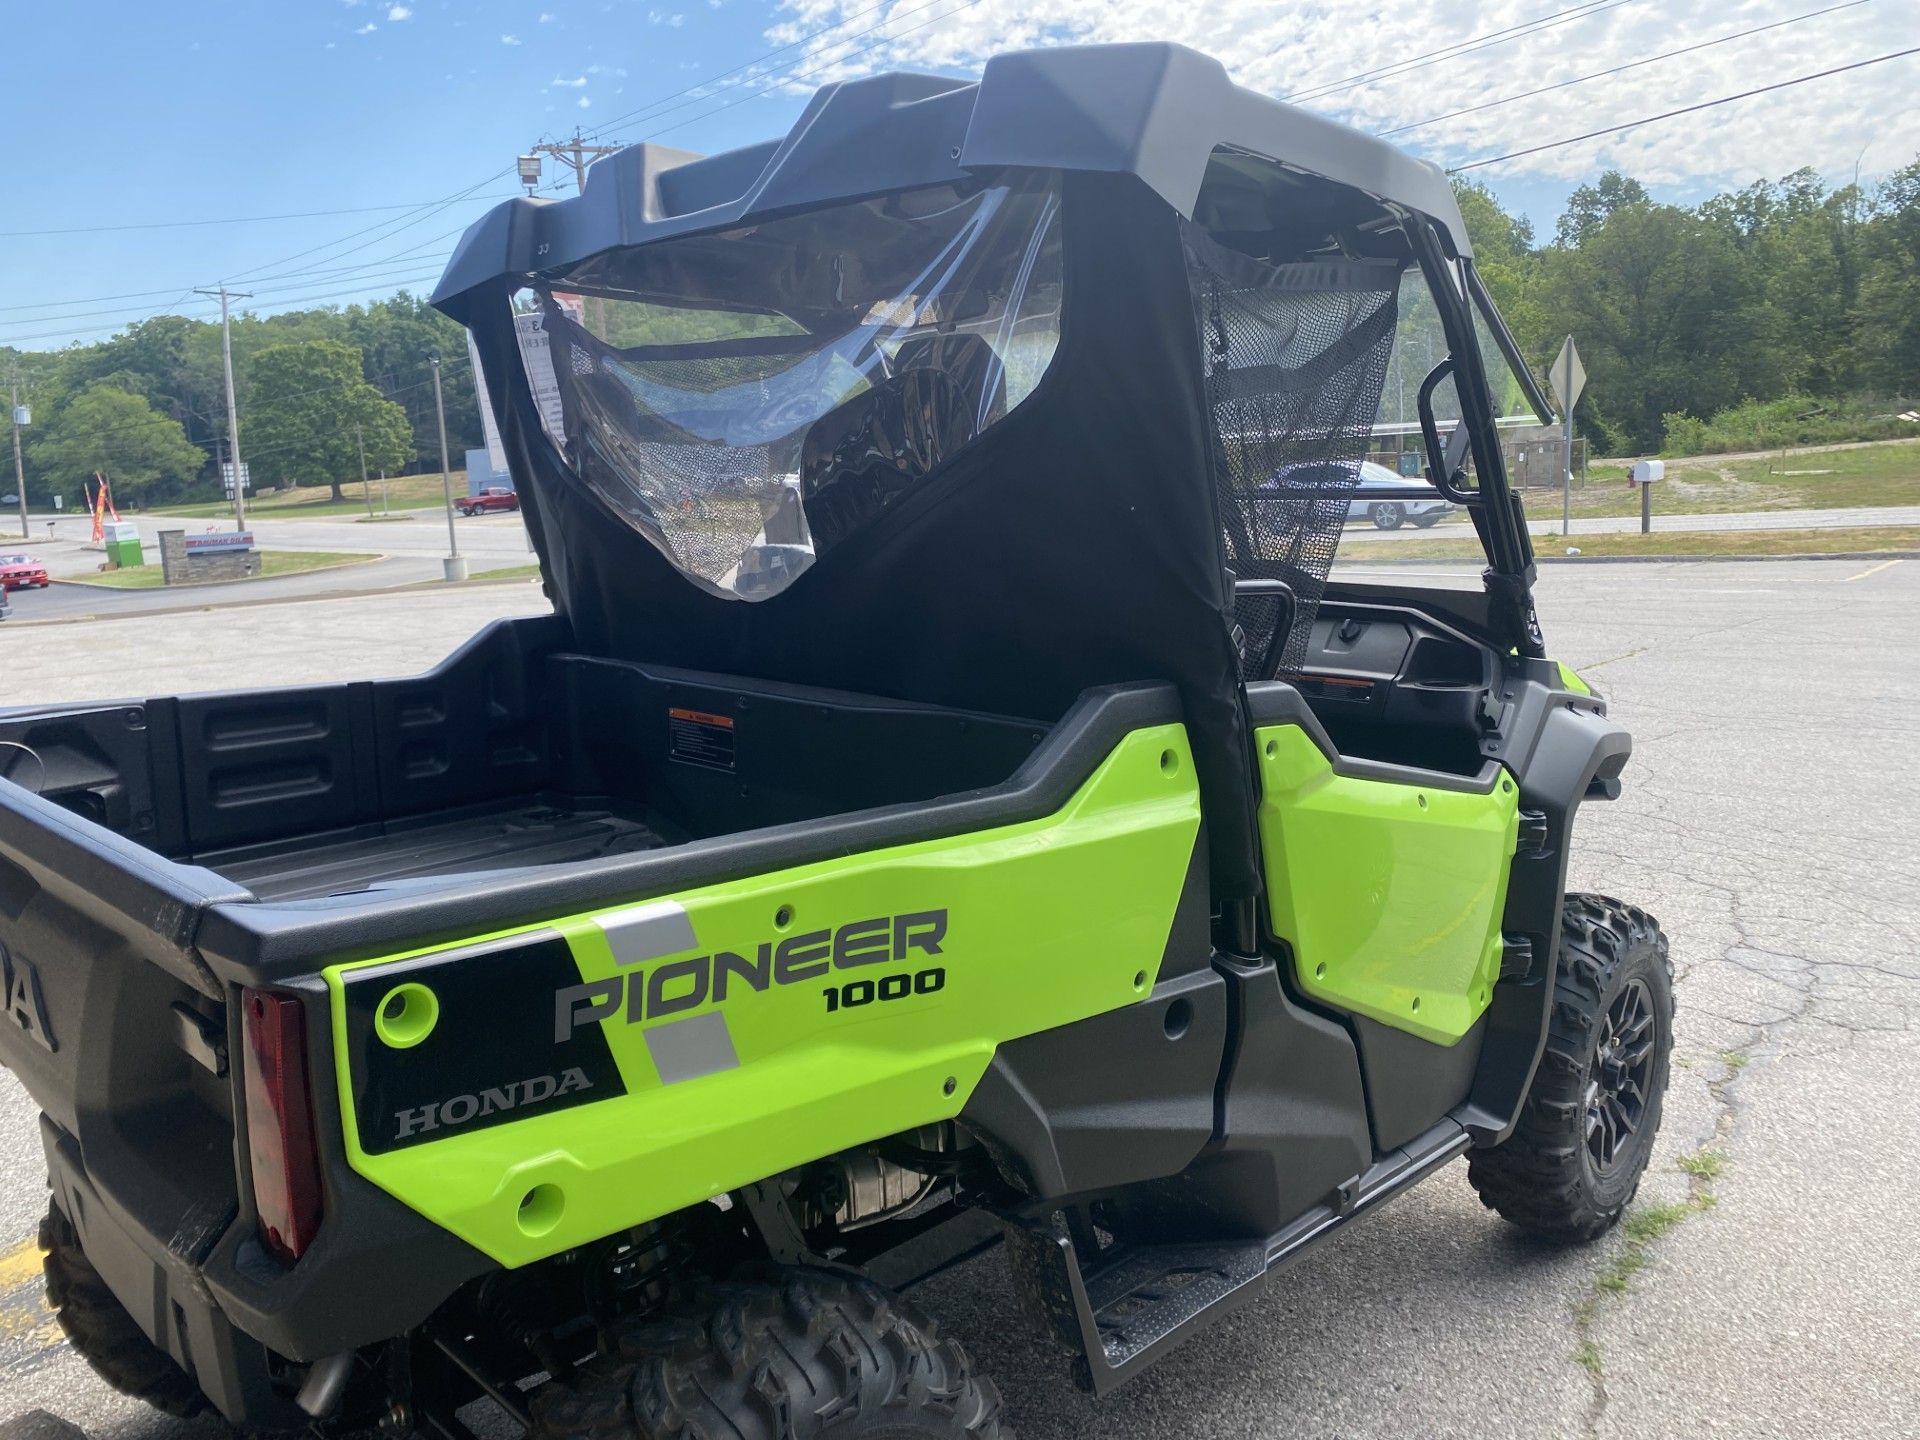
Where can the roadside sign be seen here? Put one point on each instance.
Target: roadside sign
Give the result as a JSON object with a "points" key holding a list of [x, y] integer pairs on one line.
{"points": [[226, 475], [218, 540], [1568, 376]]}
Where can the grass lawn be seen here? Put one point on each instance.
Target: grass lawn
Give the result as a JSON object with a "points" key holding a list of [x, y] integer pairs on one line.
{"points": [[1681, 544], [1883, 474], [272, 563], [510, 572], [407, 492]]}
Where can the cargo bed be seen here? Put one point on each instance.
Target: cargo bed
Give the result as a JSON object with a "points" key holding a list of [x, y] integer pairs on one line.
{"points": [[543, 830], [514, 754]]}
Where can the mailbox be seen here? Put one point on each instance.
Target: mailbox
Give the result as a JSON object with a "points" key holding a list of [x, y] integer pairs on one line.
{"points": [[1645, 472]]}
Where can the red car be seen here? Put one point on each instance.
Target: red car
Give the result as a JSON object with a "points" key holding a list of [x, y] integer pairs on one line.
{"points": [[494, 497], [22, 572]]}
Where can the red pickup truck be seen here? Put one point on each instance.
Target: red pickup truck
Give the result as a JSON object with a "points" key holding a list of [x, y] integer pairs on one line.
{"points": [[494, 497]]}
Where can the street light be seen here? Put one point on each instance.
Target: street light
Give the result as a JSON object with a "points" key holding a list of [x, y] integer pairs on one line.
{"points": [[455, 565], [529, 171]]}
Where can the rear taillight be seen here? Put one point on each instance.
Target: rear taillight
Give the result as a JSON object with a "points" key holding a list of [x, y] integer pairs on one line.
{"points": [[286, 1163]]}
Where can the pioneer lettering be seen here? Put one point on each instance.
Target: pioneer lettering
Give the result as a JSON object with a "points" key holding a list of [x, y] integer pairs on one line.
{"points": [[676, 986], [462, 1109]]}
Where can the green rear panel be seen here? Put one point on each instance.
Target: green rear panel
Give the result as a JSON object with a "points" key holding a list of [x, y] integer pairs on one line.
{"points": [[1390, 894], [1043, 923]]}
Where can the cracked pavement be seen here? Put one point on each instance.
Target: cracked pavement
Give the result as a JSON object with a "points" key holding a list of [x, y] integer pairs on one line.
{"points": [[1767, 820]]}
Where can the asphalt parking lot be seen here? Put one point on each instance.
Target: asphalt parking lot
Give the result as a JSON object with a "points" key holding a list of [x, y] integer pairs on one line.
{"points": [[1768, 1287]]}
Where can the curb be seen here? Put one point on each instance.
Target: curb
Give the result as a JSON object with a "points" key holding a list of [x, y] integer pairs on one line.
{"points": [[1662, 559], [221, 584], [255, 603]]}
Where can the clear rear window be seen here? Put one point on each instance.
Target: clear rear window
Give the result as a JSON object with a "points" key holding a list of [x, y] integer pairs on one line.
{"points": [[749, 399]]}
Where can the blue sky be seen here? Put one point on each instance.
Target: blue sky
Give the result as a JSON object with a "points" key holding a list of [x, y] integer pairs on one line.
{"points": [[123, 114]]}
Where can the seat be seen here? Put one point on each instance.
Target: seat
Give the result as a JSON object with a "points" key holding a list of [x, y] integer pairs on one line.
{"points": [[868, 450]]}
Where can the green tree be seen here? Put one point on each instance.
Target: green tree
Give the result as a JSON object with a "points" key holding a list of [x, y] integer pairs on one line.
{"points": [[1590, 206], [397, 336], [144, 455], [1887, 312], [1667, 313], [308, 410]]}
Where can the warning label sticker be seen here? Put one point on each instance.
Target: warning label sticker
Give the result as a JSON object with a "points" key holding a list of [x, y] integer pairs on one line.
{"points": [[698, 737]]}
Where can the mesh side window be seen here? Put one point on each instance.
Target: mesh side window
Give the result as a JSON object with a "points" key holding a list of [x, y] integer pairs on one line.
{"points": [[1295, 358]]}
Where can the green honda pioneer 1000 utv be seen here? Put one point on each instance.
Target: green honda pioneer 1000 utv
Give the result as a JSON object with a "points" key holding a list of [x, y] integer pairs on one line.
{"points": [[950, 806]]}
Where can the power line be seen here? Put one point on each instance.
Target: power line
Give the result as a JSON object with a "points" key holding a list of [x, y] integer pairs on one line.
{"points": [[369, 275], [391, 227], [1685, 110], [1460, 47], [368, 270], [202, 315], [1617, 69], [231, 220]]}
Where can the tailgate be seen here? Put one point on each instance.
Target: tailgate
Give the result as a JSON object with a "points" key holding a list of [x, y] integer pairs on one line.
{"points": [[110, 1020]]}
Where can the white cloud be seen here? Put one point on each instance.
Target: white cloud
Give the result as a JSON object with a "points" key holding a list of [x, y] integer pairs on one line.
{"points": [[584, 103], [1872, 114], [367, 29], [547, 17], [660, 17], [558, 82], [399, 12], [509, 39]]}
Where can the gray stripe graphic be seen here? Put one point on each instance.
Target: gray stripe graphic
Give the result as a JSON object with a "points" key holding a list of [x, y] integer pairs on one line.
{"points": [[687, 1049], [646, 932]]}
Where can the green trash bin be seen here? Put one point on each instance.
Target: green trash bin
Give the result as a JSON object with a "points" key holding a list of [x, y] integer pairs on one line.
{"points": [[123, 545]]}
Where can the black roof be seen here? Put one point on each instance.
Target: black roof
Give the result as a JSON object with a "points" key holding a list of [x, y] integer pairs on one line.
{"points": [[1154, 110]]}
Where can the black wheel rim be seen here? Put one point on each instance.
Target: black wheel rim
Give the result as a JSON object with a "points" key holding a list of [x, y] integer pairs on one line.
{"points": [[1620, 1082]]}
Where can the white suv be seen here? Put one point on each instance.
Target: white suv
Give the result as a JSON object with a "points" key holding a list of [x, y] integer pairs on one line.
{"points": [[1391, 514]]}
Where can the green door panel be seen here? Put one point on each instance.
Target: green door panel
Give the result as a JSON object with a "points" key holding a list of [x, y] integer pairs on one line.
{"points": [[1390, 894], [883, 1018]]}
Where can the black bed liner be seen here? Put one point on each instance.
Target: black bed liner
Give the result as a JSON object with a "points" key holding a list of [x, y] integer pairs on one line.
{"points": [[536, 830]]}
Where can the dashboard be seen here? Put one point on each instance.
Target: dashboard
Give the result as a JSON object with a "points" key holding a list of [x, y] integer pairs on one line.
{"points": [[1391, 684]]}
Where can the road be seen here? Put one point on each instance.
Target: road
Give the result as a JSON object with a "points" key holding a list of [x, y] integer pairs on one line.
{"points": [[1546, 526], [1767, 819], [412, 550]]}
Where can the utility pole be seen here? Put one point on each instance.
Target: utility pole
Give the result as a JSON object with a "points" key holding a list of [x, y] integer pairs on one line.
{"points": [[19, 469], [233, 410], [456, 565], [579, 154], [360, 440]]}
